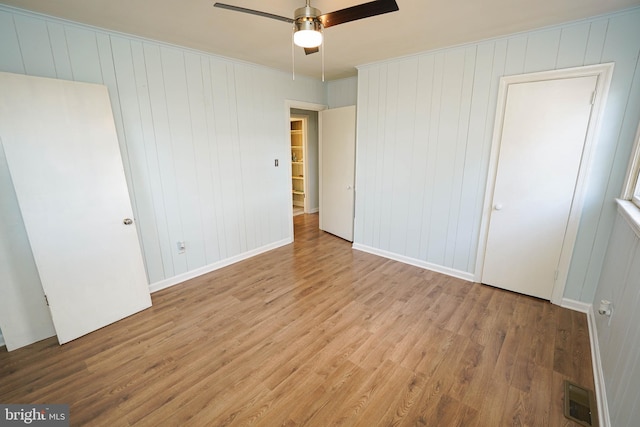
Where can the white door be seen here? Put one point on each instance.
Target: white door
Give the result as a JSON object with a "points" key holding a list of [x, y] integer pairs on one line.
{"points": [[543, 136], [62, 151], [337, 170]]}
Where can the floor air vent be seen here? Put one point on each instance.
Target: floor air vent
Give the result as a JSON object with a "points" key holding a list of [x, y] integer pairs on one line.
{"points": [[580, 405]]}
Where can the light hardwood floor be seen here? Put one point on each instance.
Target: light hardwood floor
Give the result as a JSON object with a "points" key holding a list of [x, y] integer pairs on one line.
{"points": [[318, 334]]}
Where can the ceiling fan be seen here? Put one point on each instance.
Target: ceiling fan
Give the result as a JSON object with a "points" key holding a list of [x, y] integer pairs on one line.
{"points": [[308, 21]]}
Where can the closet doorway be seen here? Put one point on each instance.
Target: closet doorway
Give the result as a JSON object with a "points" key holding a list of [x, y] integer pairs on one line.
{"points": [[304, 161]]}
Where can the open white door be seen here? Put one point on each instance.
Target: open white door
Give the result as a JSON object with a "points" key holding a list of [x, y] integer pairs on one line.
{"points": [[543, 136], [62, 151], [337, 170]]}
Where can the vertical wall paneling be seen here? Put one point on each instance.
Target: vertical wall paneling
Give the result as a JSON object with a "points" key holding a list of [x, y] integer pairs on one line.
{"points": [[380, 139], [214, 156], [516, 55], [401, 174], [247, 117], [466, 237], [418, 153], [459, 217], [10, 55], [165, 151], [573, 45], [434, 77], [60, 51], [35, 47], [447, 93], [181, 136], [542, 51], [454, 118], [391, 184], [343, 92], [84, 55], [209, 173], [197, 95], [225, 140], [595, 41]]}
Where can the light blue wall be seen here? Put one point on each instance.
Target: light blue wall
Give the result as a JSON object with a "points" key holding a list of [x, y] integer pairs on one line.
{"points": [[425, 125], [343, 92]]}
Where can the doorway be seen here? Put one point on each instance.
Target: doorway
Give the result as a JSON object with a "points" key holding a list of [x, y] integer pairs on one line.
{"points": [[304, 161], [543, 137]]}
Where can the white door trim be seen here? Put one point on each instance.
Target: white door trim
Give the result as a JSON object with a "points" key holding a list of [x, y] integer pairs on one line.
{"points": [[288, 105], [603, 73]]}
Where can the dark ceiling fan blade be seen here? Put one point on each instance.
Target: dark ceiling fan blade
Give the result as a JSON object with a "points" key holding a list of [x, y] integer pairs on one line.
{"points": [[253, 12], [353, 13], [310, 50]]}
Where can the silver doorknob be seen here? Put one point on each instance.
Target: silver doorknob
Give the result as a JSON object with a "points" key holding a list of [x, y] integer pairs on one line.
{"points": [[498, 207], [127, 221]]}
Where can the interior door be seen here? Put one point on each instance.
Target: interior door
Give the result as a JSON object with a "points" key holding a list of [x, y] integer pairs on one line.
{"points": [[337, 170], [543, 136], [62, 151]]}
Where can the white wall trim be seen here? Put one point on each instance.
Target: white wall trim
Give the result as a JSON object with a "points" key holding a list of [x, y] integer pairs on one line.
{"points": [[175, 280], [631, 214], [604, 73], [415, 262], [574, 305], [596, 361]]}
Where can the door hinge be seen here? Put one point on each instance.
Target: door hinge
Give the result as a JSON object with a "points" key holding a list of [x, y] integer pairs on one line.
{"points": [[46, 300], [555, 275], [593, 97]]}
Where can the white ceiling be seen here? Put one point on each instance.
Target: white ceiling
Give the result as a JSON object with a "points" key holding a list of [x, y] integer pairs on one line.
{"points": [[419, 25]]}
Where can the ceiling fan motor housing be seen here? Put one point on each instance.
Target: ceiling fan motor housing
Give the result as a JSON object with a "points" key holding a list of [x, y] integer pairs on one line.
{"points": [[306, 18]]}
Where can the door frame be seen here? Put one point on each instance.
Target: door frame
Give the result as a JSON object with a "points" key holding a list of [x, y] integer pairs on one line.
{"points": [[288, 105], [603, 72]]}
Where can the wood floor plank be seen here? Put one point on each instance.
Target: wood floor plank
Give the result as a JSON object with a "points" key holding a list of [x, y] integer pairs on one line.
{"points": [[315, 333]]}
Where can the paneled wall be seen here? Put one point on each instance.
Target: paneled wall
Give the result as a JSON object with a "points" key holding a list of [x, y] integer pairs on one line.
{"points": [[619, 337], [425, 126], [198, 136], [343, 92]]}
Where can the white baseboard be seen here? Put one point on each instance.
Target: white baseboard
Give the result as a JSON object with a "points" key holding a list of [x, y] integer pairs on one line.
{"points": [[415, 262], [598, 374], [163, 284], [574, 305], [313, 211]]}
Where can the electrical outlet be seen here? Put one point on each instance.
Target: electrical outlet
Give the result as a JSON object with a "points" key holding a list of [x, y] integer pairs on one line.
{"points": [[181, 247]]}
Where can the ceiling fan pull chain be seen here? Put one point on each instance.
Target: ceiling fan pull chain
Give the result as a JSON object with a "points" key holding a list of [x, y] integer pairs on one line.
{"points": [[293, 55], [324, 46]]}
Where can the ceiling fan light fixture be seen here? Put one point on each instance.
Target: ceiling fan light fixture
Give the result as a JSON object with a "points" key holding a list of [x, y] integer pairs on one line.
{"points": [[308, 33]]}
